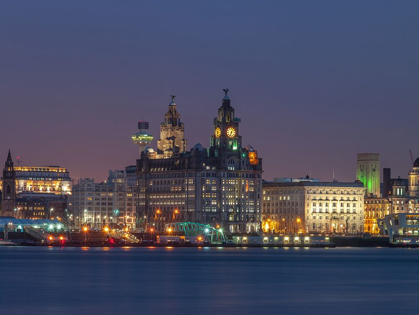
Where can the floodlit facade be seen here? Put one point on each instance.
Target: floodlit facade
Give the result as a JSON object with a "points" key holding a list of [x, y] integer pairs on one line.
{"points": [[112, 202], [400, 200], [313, 207], [31, 180], [414, 180], [219, 185], [368, 172]]}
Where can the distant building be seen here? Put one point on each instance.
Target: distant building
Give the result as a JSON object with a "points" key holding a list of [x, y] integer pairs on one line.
{"points": [[313, 207], [112, 202], [219, 185], [368, 172]]}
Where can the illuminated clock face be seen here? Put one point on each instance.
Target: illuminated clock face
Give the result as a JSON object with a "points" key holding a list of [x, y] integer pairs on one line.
{"points": [[231, 132], [218, 132]]}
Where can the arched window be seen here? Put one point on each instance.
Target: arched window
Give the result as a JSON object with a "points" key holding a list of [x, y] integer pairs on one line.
{"points": [[9, 189]]}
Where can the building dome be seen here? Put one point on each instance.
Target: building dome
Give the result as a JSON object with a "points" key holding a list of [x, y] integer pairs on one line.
{"points": [[416, 164]]}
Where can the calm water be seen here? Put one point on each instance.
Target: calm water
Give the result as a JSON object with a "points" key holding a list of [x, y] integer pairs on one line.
{"points": [[208, 281]]}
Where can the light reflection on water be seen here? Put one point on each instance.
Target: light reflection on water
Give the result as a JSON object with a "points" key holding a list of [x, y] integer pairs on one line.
{"points": [[106, 280]]}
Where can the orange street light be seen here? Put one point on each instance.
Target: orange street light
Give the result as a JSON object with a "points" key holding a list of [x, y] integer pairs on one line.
{"points": [[85, 229]]}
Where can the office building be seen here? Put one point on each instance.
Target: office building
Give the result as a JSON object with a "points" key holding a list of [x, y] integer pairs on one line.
{"points": [[219, 185], [109, 203], [313, 207]]}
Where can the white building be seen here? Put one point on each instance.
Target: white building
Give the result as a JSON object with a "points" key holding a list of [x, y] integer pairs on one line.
{"points": [[112, 202], [313, 207]]}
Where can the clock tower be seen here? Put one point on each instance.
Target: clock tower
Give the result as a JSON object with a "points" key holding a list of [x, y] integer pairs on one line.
{"points": [[226, 128], [8, 201]]}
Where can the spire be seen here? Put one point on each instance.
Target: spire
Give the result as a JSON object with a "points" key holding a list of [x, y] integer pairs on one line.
{"points": [[9, 171], [9, 161]]}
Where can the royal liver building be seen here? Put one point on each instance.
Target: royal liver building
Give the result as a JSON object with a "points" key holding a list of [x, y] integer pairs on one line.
{"points": [[220, 185]]}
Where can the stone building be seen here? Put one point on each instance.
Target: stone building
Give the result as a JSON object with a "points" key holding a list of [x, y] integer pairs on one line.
{"points": [[403, 197], [110, 203], [313, 207], [172, 133], [219, 185]]}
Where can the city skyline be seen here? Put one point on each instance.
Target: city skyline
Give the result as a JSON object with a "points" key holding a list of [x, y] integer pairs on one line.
{"points": [[310, 96]]}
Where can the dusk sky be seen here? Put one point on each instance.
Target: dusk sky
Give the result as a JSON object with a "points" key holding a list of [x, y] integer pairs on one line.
{"points": [[314, 82]]}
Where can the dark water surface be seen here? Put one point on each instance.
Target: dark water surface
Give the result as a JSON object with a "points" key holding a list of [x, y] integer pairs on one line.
{"points": [[41, 280]]}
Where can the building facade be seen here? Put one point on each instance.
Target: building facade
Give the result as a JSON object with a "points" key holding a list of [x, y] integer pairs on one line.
{"points": [[219, 185], [368, 172], [313, 207], [172, 133], [110, 203], [399, 200]]}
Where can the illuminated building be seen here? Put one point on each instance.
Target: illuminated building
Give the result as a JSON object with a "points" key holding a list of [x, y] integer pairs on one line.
{"points": [[402, 228], [8, 202], [44, 180], [219, 185], [368, 172], [142, 138], [172, 132], [414, 180], [375, 208], [31, 192], [313, 207], [399, 200], [31, 208], [112, 202]]}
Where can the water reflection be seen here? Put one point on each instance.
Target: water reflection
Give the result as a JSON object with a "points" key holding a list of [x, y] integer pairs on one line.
{"points": [[208, 281]]}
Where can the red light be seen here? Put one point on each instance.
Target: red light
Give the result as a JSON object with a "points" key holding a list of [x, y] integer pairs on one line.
{"points": [[111, 241], [62, 242]]}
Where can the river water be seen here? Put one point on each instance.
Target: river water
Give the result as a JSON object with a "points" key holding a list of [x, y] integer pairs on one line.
{"points": [[42, 280]]}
